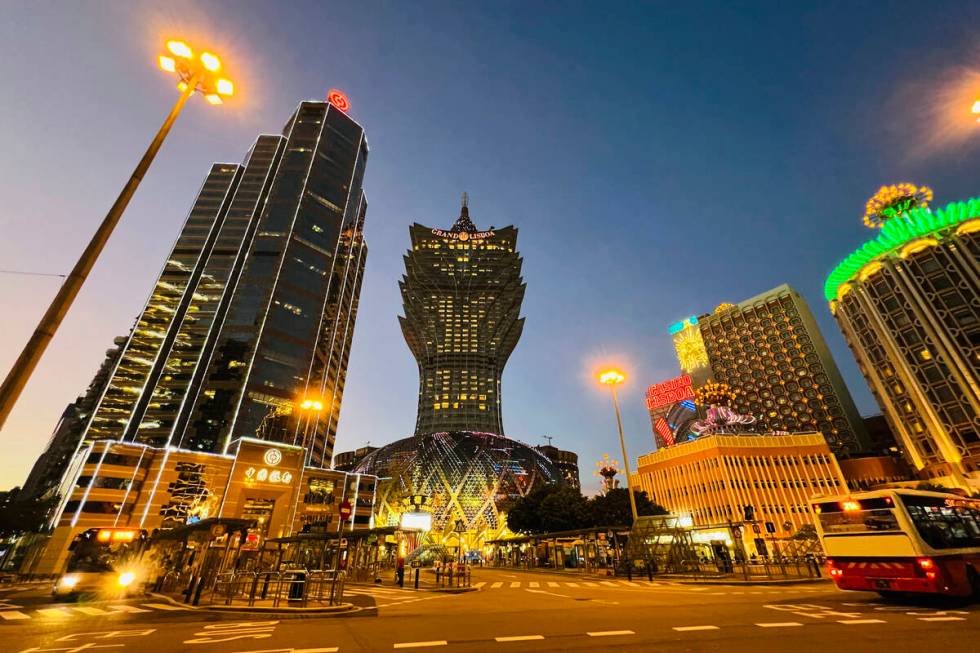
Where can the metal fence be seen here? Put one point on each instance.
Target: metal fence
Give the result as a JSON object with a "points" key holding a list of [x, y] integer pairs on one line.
{"points": [[295, 587]]}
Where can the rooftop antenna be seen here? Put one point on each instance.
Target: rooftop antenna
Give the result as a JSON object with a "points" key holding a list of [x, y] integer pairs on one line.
{"points": [[548, 438], [466, 199]]}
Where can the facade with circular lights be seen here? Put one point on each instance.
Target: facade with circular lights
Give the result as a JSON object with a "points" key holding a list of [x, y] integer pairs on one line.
{"points": [[908, 303]]}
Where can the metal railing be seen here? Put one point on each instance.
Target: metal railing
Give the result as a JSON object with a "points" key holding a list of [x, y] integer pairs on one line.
{"points": [[296, 586]]}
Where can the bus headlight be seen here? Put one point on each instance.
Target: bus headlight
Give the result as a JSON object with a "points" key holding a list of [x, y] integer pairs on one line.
{"points": [[68, 582], [126, 579]]}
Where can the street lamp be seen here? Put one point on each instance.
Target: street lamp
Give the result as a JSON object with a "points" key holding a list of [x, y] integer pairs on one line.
{"points": [[976, 109], [196, 75], [612, 378]]}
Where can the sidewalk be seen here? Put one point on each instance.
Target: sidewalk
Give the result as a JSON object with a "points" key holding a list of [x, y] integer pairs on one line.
{"points": [[687, 579]]}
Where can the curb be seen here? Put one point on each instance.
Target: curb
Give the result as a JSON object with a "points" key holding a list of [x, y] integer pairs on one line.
{"points": [[442, 590], [737, 581], [331, 609]]}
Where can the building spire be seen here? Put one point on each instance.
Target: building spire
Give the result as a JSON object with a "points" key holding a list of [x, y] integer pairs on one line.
{"points": [[463, 223]]}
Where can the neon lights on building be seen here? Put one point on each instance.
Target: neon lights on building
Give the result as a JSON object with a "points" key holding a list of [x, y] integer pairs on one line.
{"points": [[669, 392], [663, 428], [689, 345], [897, 232], [893, 202], [339, 100]]}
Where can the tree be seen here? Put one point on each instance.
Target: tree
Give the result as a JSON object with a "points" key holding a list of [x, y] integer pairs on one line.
{"points": [[549, 508], [613, 508]]}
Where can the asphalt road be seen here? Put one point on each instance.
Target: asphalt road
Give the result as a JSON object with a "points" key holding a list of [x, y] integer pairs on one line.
{"points": [[511, 612]]}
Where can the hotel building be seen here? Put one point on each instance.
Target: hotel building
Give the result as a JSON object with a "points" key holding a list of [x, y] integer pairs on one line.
{"points": [[908, 303], [715, 477]]}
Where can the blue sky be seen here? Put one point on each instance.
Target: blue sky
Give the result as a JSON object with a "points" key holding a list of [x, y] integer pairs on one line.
{"points": [[658, 158]]}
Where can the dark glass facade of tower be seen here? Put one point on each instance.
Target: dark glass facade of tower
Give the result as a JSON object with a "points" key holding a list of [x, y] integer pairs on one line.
{"points": [[770, 349], [255, 307], [462, 294]]}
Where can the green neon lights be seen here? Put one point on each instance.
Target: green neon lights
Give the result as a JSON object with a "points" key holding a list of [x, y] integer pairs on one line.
{"points": [[895, 233]]}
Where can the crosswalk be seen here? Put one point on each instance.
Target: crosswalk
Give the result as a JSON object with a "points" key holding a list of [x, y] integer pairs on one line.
{"points": [[67, 612], [715, 590]]}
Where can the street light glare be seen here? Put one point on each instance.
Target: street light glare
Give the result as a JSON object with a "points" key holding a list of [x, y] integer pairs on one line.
{"points": [[168, 63], [976, 107], [213, 98], [612, 377], [225, 87], [180, 49], [210, 62]]}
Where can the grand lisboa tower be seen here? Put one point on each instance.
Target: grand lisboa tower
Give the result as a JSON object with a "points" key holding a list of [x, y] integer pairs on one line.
{"points": [[462, 294]]}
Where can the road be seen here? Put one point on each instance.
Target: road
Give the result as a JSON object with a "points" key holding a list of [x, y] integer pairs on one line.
{"points": [[511, 612]]}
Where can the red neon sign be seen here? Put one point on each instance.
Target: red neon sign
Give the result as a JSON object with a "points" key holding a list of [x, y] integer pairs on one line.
{"points": [[669, 392], [664, 430], [338, 99]]}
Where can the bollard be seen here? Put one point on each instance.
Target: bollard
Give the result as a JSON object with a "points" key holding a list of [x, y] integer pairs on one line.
{"points": [[417, 570], [198, 590], [649, 571], [629, 572]]}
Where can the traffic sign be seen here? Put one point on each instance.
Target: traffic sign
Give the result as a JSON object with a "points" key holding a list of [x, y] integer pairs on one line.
{"points": [[345, 509], [770, 527], [756, 529]]}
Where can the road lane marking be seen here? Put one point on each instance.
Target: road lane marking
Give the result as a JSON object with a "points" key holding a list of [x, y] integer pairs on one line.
{"points": [[564, 596], [552, 583], [54, 612], [857, 622], [534, 583], [779, 624], [163, 606], [92, 612], [572, 584], [515, 584], [684, 629], [122, 607], [13, 614], [629, 583], [480, 584], [931, 618], [440, 642], [587, 584], [610, 633], [607, 583], [496, 585], [519, 638]]}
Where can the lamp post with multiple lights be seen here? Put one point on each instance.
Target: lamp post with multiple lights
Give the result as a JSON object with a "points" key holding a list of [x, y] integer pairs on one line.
{"points": [[200, 74], [612, 378]]}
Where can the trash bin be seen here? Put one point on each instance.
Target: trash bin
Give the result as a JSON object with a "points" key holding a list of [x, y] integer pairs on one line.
{"points": [[296, 586]]}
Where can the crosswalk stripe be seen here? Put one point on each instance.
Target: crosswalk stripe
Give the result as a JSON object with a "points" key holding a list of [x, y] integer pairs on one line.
{"points": [[163, 606], [629, 584], [13, 614], [683, 629], [553, 584], [534, 583], [94, 612], [54, 612], [590, 584], [931, 618], [519, 638], [779, 624], [122, 607], [515, 584], [480, 584], [607, 583], [496, 585], [856, 622], [571, 584], [610, 633]]}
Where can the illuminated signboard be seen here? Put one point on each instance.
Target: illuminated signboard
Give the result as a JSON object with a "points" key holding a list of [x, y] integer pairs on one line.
{"points": [[663, 428], [421, 521], [338, 99], [669, 392], [463, 235], [265, 475], [689, 345], [272, 457]]}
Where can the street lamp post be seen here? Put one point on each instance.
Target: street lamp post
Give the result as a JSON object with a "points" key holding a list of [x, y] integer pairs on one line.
{"points": [[612, 378], [196, 75]]}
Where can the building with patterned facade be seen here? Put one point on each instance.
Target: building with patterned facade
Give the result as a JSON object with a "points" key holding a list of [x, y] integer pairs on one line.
{"points": [[566, 462], [254, 309], [462, 293], [713, 479], [770, 351], [908, 303]]}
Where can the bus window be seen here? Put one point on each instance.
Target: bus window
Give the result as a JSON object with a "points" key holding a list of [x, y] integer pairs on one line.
{"points": [[945, 523], [868, 515]]}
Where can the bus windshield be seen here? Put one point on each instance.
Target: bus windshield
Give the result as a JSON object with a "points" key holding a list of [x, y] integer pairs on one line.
{"points": [[866, 516], [103, 550], [945, 523]]}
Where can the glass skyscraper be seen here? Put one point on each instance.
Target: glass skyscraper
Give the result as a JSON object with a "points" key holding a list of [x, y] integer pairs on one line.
{"points": [[462, 294], [254, 310]]}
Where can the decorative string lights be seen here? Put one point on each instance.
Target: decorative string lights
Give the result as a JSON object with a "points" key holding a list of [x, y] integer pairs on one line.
{"points": [[893, 202], [715, 394]]}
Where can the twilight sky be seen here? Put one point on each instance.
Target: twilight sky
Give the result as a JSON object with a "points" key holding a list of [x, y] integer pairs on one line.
{"points": [[657, 158]]}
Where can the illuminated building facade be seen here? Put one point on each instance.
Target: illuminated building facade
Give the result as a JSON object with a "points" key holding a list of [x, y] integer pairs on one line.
{"points": [[908, 303], [130, 484], [462, 293], [770, 351], [466, 476], [671, 408], [713, 478], [566, 462], [254, 310]]}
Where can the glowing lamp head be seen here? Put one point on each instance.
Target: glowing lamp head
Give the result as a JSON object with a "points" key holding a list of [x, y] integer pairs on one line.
{"points": [[224, 87], [213, 98], [180, 49], [167, 63], [210, 62], [976, 107], [68, 581], [126, 579], [850, 506], [611, 377], [312, 404]]}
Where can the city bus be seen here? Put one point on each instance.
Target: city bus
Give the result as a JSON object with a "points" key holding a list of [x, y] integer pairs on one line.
{"points": [[898, 542], [103, 561]]}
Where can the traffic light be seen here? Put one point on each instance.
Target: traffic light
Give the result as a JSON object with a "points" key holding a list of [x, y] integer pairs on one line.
{"points": [[748, 512]]}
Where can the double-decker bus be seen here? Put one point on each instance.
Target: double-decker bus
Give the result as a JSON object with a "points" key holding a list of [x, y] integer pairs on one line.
{"points": [[102, 561], [902, 542]]}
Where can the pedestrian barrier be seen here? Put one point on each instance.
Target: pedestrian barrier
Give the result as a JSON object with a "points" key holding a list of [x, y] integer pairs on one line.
{"points": [[296, 586]]}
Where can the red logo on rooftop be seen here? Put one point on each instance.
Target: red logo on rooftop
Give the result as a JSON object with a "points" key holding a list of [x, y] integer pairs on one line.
{"points": [[338, 99]]}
